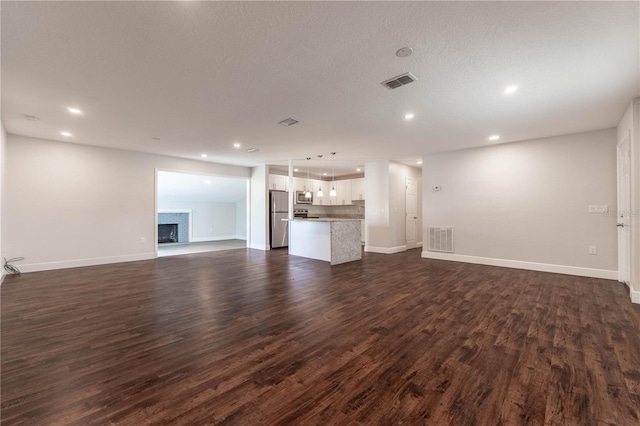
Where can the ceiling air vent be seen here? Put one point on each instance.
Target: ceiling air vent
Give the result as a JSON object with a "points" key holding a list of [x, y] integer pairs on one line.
{"points": [[289, 122], [401, 80]]}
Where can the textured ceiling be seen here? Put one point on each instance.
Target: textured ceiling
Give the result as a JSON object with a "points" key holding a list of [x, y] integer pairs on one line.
{"points": [[202, 75]]}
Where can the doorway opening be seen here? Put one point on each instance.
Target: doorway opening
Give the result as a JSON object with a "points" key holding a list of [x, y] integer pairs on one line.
{"points": [[199, 213]]}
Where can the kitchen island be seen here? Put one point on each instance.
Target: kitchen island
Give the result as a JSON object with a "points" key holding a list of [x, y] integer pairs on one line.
{"points": [[329, 239]]}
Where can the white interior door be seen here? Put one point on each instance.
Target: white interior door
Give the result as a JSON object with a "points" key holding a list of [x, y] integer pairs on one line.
{"points": [[624, 210], [412, 212]]}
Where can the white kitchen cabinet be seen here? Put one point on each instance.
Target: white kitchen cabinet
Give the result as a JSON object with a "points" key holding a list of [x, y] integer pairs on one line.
{"points": [[331, 200], [324, 200], [300, 184], [297, 183], [278, 182], [343, 189], [357, 189], [315, 185]]}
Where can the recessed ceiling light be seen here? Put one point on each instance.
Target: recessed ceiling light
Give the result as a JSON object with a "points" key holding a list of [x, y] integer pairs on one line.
{"points": [[203, 155], [419, 161], [236, 145], [324, 174], [295, 170], [408, 116], [509, 90], [494, 137], [74, 111], [68, 134], [358, 169], [207, 181], [31, 117]]}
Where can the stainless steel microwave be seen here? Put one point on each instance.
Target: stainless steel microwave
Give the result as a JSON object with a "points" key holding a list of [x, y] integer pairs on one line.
{"points": [[301, 199]]}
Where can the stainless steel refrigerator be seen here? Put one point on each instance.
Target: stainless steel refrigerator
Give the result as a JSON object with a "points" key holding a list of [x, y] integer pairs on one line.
{"points": [[278, 210]]}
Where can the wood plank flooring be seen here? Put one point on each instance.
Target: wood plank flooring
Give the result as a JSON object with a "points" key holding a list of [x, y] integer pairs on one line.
{"points": [[246, 337]]}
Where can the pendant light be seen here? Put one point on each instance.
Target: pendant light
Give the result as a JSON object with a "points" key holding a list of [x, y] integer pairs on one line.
{"points": [[320, 193], [307, 193], [332, 193]]}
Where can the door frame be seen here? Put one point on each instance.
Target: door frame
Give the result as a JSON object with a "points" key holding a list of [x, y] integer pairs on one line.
{"points": [[415, 236], [623, 211]]}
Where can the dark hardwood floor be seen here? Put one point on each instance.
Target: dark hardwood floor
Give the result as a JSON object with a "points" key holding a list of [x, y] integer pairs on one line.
{"points": [[260, 338]]}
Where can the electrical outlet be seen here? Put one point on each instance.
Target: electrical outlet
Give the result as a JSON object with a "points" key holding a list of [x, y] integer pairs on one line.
{"points": [[143, 240], [593, 250]]}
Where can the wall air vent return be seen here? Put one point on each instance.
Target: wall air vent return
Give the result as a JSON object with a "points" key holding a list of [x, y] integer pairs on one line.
{"points": [[401, 80], [441, 238], [289, 122]]}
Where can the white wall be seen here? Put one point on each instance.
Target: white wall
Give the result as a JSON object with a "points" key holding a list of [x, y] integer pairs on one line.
{"points": [[3, 138], [525, 204], [259, 220], [73, 205], [211, 220], [376, 190], [630, 124], [241, 219]]}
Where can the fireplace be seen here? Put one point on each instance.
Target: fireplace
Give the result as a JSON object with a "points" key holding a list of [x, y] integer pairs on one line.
{"points": [[168, 233], [181, 220]]}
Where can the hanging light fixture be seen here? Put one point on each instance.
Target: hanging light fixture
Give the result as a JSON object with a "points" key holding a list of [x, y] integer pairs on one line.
{"points": [[320, 193], [332, 193], [307, 193]]}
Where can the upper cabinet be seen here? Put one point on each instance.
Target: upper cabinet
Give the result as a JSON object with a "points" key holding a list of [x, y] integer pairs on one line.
{"points": [[343, 192], [302, 184], [325, 199], [278, 182], [357, 189], [347, 190]]}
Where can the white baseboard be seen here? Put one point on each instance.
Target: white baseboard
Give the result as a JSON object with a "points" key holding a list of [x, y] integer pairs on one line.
{"points": [[204, 239], [259, 246], [48, 266], [635, 296], [518, 264], [385, 250], [419, 243]]}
